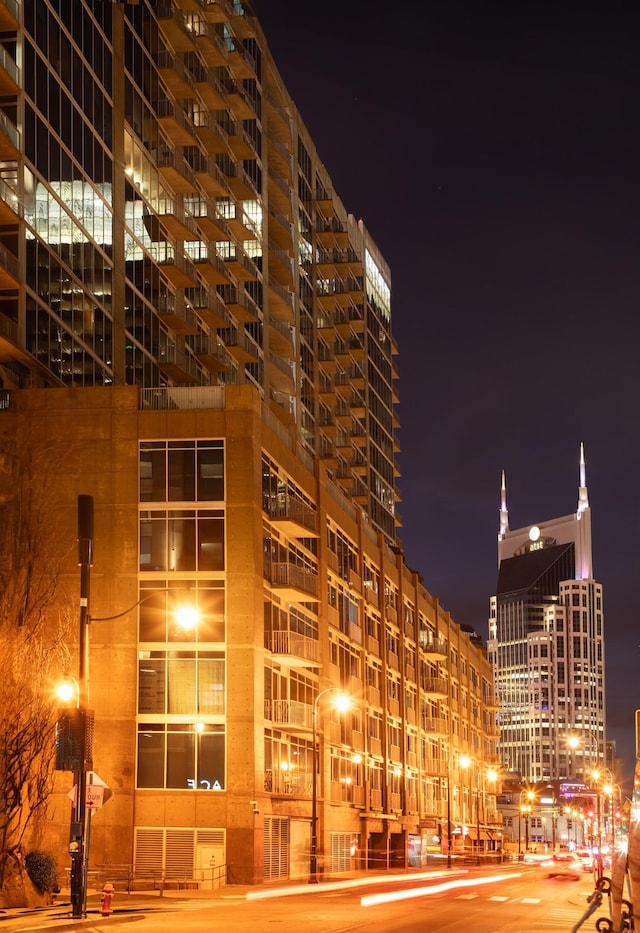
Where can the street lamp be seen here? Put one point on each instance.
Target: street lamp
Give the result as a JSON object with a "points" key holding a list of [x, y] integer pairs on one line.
{"points": [[342, 703], [525, 811], [491, 774], [74, 737], [464, 762]]}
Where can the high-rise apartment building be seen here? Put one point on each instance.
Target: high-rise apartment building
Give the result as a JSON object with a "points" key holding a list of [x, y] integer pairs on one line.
{"points": [[166, 220], [546, 644], [201, 335]]}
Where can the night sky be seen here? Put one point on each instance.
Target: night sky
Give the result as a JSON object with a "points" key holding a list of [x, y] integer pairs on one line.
{"points": [[494, 155]]}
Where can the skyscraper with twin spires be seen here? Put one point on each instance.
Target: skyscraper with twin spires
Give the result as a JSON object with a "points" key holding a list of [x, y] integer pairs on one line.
{"points": [[546, 644]]}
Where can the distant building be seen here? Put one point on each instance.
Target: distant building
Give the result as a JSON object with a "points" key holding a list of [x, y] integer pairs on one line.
{"points": [[546, 644]]}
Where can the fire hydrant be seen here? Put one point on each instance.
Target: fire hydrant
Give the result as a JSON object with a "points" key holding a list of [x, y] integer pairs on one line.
{"points": [[105, 898]]}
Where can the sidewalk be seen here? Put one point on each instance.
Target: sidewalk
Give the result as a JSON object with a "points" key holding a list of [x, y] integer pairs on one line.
{"points": [[123, 905]]}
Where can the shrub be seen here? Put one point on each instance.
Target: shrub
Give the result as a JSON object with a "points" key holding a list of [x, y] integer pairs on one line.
{"points": [[42, 868]]}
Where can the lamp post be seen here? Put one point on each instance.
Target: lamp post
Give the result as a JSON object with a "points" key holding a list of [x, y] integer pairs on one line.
{"points": [[491, 774], [83, 760], [74, 738], [464, 762], [525, 811], [342, 703]]}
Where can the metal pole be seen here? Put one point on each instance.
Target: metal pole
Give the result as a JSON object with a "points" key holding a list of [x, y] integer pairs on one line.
{"points": [[449, 838], [519, 832], [313, 874], [478, 825], [78, 835]]}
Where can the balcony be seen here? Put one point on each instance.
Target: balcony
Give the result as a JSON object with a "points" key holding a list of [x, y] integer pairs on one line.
{"points": [[212, 91], [280, 194], [294, 518], [243, 308], [281, 302], [10, 139], [174, 221], [9, 16], [434, 687], [290, 714], [241, 144], [292, 650], [175, 123], [10, 203], [241, 266], [10, 78], [241, 226], [173, 26], [281, 338], [240, 347], [278, 122], [434, 726], [212, 226], [282, 405], [241, 104], [208, 351], [279, 157], [179, 270], [288, 783], [331, 232], [281, 231], [292, 583], [432, 647], [242, 186], [211, 178], [210, 133], [242, 63], [207, 304], [177, 366], [175, 75], [207, 263], [176, 171], [179, 320], [324, 201], [210, 44], [281, 265], [491, 701]]}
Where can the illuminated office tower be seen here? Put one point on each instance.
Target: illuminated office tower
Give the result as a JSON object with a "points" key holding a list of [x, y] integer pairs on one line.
{"points": [[546, 644]]}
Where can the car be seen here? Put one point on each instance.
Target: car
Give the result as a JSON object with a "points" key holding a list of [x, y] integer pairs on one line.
{"points": [[563, 865], [586, 859]]}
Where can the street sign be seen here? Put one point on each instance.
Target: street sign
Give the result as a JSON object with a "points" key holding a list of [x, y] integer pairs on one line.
{"points": [[95, 796], [97, 792]]}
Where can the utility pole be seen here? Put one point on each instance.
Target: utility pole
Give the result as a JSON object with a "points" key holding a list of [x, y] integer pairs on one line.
{"points": [[83, 760]]}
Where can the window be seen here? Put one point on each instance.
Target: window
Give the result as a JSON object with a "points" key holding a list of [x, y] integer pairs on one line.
{"points": [[182, 471], [179, 757], [184, 683], [182, 540], [160, 604]]}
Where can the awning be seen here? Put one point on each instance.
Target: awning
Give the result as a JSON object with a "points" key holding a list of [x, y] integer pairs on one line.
{"points": [[473, 834]]}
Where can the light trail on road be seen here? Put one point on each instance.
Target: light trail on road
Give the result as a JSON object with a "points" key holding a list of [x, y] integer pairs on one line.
{"points": [[386, 897], [345, 885]]}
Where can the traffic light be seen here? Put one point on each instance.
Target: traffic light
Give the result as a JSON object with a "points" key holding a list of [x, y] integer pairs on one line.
{"points": [[74, 740]]}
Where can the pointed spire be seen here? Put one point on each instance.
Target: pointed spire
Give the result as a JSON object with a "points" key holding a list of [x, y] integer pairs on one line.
{"points": [[583, 497], [504, 514]]}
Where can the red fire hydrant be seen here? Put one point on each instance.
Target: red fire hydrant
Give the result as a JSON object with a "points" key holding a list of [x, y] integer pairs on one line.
{"points": [[105, 898]]}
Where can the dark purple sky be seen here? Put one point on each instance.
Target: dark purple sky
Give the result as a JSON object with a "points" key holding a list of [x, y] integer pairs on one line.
{"points": [[494, 154]]}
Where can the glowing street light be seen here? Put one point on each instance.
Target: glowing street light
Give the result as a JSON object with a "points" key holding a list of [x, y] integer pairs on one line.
{"points": [[74, 739], [341, 703], [464, 761]]}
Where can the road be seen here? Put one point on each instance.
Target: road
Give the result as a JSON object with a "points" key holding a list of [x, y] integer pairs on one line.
{"points": [[515, 900]]}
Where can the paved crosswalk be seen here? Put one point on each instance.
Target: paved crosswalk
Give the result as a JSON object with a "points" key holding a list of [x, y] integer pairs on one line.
{"points": [[555, 917]]}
